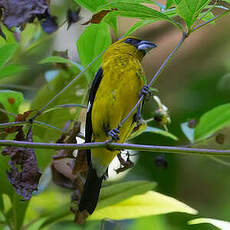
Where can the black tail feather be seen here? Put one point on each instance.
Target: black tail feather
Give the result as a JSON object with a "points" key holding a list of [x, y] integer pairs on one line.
{"points": [[91, 191]]}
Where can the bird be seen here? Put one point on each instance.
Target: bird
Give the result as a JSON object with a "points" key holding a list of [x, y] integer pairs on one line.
{"points": [[116, 88]]}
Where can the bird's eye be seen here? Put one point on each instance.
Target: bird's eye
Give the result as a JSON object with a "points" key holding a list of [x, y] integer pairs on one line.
{"points": [[132, 41]]}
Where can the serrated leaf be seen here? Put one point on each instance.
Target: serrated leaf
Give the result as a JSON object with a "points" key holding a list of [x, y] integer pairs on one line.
{"points": [[92, 42], [212, 121], [10, 70], [150, 203], [6, 52], [223, 225], [117, 192], [91, 5], [189, 10]]}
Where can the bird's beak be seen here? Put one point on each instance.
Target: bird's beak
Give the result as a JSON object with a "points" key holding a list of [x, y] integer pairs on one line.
{"points": [[145, 46]]}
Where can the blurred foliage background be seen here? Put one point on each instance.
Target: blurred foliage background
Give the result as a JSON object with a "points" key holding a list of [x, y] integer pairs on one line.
{"points": [[197, 80]]}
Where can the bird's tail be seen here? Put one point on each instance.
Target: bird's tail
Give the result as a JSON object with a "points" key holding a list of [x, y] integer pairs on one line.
{"points": [[91, 191]]}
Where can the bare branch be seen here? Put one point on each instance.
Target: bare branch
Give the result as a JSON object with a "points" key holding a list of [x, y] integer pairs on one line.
{"points": [[118, 146]]}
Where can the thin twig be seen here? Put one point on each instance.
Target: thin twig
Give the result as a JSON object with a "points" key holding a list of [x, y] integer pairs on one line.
{"points": [[8, 113], [118, 146], [15, 123], [155, 77]]}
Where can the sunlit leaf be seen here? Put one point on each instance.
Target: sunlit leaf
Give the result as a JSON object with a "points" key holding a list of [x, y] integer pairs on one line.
{"points": [[212, 121], [223, 225], [150, 203], [117, 192]]}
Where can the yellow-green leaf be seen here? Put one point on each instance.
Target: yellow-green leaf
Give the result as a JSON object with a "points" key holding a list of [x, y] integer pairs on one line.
{"points": [[150, 203]]}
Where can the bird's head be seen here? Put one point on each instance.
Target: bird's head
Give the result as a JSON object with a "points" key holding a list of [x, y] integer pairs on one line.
{"points": [[141, 45], [132, 46]]}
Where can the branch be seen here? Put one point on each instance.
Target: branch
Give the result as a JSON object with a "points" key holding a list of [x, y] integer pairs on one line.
{"points": [[156, 76], [16, 123], [117, 146]]}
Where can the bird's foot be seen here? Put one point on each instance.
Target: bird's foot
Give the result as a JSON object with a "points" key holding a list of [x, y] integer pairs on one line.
{"points": [[114, 134], [125, 164], [146, 92]]}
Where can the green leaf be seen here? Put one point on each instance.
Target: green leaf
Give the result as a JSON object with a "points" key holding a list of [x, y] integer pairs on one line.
{"points": [[169, 3], [15, 216], [161, 132], [1, 204], [92, 42], [117, 192], [75, 94], [16, 213], [6, 52], [190, 9], [136, 10], [150, 203], [91, 5], [11, 101], [212, 121], [139, 25], [135, 1], [56, 216], [112, 21], [207, 16], [58, 59], [188, 132], [10, 70], [223, 225], [5, 187]]}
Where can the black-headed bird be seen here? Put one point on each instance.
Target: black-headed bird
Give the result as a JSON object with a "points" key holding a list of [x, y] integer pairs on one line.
{"points": [[114, 92]]}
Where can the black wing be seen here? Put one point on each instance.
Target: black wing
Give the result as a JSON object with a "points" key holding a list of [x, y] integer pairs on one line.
{"points": [[92, 94]]}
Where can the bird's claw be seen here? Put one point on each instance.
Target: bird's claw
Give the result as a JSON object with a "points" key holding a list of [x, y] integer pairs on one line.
{"points": [[146, 91], [114, 134]]}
